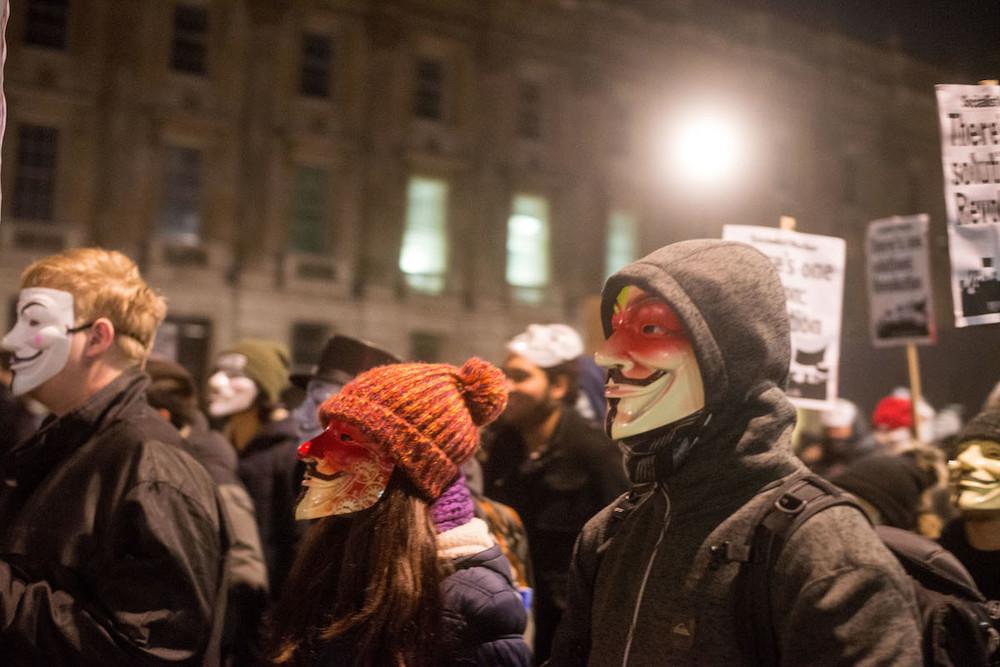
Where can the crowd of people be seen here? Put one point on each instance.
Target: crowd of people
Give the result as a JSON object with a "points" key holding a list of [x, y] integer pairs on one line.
{"points": [[559, 508]]}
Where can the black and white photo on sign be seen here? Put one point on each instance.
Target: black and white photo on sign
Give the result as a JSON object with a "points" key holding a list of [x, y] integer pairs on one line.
{"points": [[970, 152], [900, 300], [811, 268]]}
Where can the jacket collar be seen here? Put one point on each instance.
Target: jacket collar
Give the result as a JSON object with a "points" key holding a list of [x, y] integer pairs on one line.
{"points": [[60, 436]]}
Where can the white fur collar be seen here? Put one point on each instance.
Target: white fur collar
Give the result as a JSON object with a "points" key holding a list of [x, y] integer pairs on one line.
{"points": [[465, 540]]}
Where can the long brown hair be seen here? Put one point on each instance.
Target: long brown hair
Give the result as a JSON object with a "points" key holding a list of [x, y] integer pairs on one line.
{"points": [[371, 582]]}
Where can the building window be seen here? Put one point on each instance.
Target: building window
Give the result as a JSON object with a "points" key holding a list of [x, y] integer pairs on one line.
{"points": [[317, 61], [308, 233], [528, 246], [190, 39], [180, 211], [308, 340], [35, 180], [425, 346], [621, 249], [186, 340], [46, 23], [429, 91], [423, 258], [529, 115]]}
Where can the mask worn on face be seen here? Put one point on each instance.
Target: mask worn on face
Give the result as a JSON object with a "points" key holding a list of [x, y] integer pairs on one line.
{"points": [[40, 339], [345, 473], [229, 389], [975, 477], [307, 414], [653, 374]]}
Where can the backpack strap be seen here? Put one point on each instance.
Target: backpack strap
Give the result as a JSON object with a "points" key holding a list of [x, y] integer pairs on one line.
{"points": [[796, 501], [621, 509]]}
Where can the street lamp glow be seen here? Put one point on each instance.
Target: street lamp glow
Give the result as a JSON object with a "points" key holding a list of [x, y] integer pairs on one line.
{"points": [[705, 149]]}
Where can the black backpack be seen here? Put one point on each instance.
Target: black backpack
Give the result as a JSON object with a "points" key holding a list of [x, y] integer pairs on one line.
{"points": [[958, 629]]}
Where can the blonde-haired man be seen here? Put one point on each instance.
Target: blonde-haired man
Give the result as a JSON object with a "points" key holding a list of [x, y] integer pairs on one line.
{"points": [[111, 548]]}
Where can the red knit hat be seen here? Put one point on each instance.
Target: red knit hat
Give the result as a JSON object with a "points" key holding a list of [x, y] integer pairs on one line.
{"points": [[425, 415], [893, 412]]}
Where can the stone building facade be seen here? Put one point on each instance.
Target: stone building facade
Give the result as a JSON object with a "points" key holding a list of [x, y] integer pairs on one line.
{"points": [[432, 175]]}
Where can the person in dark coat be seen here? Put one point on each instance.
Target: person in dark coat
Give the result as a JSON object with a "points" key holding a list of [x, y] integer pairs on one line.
{"points": [[974, 537], [173, 393], [697, 353], [243, 392], [397, 570], [112, 545], [548, 462]]}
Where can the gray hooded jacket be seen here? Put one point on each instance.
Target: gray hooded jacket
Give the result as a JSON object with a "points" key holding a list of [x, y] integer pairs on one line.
{"points": [[652, 595]]}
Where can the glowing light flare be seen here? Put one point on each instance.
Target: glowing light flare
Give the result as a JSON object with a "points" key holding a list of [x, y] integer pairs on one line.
{"points": [[704, 149]]}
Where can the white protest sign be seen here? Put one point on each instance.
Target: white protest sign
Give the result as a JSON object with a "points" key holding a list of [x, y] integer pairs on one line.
{"points": [[970, 153], [900, 301], [811, 268]]}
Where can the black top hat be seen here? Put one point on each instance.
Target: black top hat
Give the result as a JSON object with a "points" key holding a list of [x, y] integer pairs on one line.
{"points": [[342, 358]]}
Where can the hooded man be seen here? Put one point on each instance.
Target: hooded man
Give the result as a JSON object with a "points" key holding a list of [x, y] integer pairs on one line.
{"points": [[697, 354], [111, 539], [547, 462]]}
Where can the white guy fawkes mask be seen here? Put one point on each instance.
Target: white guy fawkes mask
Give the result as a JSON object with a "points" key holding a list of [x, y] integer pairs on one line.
{"points": [[229, 389], [40, 339], [653, 374], [975, 477], [345, 472]]}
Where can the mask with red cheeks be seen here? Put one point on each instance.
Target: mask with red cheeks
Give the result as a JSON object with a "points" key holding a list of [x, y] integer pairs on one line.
{"points": [[345, 472], [653, 374]]}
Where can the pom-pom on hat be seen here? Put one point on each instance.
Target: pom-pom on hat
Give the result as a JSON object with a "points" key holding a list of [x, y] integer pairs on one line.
{"points": [[426, 416]]}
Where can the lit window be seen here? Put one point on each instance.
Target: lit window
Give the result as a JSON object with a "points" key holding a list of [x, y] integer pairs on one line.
{"points": [[35, 180], [180, 211], [308, 232], [528, 246], [423, 258], [317, 59], [46, 23], [190, 39], [429, 89], [529, 119], [621, 240]]}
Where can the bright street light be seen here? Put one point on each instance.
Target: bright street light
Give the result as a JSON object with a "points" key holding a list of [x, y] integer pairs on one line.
{"points": [[704, 149]]}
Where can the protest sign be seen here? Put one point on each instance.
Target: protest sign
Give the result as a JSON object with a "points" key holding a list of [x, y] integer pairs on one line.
{"points": [[900, 301], [811, 268], [970, 153]]}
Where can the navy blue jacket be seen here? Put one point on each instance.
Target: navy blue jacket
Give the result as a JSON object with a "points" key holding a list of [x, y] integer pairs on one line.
{"points": [[483, 621], [484, 615]]}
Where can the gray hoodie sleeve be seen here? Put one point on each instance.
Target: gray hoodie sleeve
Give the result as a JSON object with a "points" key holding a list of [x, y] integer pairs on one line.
{"points": [[840, 597]]}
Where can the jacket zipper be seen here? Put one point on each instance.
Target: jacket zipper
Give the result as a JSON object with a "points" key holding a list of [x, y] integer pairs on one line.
{"points": [[645, 577]]}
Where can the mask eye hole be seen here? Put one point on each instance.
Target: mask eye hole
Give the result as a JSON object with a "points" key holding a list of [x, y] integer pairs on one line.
{"points": [[653, 330]]}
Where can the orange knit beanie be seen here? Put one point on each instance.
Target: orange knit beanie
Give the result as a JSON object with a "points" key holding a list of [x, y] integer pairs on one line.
{"points": [[425, 415]]}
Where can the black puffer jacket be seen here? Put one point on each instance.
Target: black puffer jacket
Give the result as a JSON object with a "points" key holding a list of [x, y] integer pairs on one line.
{"points": [[110, 543], [484, 616]]}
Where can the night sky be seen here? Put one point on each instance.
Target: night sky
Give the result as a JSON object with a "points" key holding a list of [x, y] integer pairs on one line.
{"points": [[961, 34]]}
